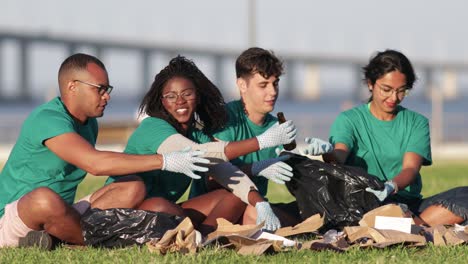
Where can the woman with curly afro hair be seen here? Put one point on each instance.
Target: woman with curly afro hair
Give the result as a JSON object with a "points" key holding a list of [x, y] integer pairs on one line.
{"points": [[183, 108]]}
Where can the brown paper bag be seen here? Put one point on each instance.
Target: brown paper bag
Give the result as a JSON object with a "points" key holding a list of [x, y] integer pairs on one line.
{"points": [[182, 239], [309, 225]]}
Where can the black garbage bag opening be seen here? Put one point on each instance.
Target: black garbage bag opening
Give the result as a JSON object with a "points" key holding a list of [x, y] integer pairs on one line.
{"points": [[121, 227], [336, 192]]}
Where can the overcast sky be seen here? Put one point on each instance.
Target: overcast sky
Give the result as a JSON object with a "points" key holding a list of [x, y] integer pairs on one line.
{"points": [[422, 29]]}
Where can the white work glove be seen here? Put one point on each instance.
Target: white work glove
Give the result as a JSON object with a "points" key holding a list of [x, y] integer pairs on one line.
{"points": [[265, 214], [273, 169], [316, 146], [277, 135], [184, 162], [389, 188]]}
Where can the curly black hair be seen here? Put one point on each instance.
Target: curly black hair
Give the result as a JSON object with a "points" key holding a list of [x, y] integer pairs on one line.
{"points": [[210, 113]]}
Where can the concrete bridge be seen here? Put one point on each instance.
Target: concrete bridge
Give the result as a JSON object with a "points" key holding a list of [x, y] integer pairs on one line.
{"points": [[23, 44]]}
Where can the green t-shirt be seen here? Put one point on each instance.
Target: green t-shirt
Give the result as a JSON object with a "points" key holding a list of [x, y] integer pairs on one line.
{"points": [[379, 146], [146, 139], [31, 164], [240, 127]]}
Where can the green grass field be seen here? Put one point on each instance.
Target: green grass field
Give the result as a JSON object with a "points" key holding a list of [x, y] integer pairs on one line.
{"points": [[437, 178]]}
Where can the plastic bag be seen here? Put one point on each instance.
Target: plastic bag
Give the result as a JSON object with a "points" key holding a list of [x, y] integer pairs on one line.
{"points": [[335, 191], [120, 227]]}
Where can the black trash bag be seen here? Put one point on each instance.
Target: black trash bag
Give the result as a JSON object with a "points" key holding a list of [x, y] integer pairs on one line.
{"points": [[334, 191], [121, 227]]}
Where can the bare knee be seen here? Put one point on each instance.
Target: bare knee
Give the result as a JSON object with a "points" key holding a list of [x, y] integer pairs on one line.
{"points": [[227, 196], [134, 190], [221, 191], [42, 200], [39, 206], [439, 215], [131, 185], [234, 203], [125, 194], [159, 204]]}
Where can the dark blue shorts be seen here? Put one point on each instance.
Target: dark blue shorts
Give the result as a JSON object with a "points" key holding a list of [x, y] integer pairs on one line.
{"points": [[455, 200]]}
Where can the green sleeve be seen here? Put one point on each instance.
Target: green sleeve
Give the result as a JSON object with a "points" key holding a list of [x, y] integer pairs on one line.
{"points": [[149, 135], [48, 124], [342, 131], [420, 140]]}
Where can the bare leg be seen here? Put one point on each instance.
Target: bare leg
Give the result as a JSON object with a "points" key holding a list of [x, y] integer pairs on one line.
{"points": [[43, 209], [159, 204], [205, 209], [439, 215], [127, 192], [250, 216]]}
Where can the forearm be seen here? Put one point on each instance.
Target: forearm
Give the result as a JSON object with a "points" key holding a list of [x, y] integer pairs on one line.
{"points": [[329, 158], [106, 163], [405, 178], [255, 197], [336, 156], [236, 149], [410, 168]]}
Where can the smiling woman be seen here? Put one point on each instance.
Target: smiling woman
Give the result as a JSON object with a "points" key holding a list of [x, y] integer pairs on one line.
{"points": [[180, 100], [184, 108], [393, 142]]}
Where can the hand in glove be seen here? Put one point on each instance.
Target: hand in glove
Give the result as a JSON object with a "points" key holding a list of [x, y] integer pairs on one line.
{"points": [[273, 169], [316, 146], [265, 214], [389, 188], [277, 135], [184, 162]]}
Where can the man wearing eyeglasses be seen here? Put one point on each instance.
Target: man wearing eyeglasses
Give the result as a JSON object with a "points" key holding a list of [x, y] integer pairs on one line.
{"points": [[55, 150]]}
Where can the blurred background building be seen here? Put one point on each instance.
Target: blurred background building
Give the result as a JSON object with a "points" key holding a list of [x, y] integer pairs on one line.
{"points": [[324, 45]]}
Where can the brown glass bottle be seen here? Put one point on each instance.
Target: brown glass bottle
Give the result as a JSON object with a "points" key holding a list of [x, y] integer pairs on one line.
{"points": [[282, 119]]}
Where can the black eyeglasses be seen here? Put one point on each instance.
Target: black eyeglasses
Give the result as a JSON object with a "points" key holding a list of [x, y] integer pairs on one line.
{"points": [[102, 89]]}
